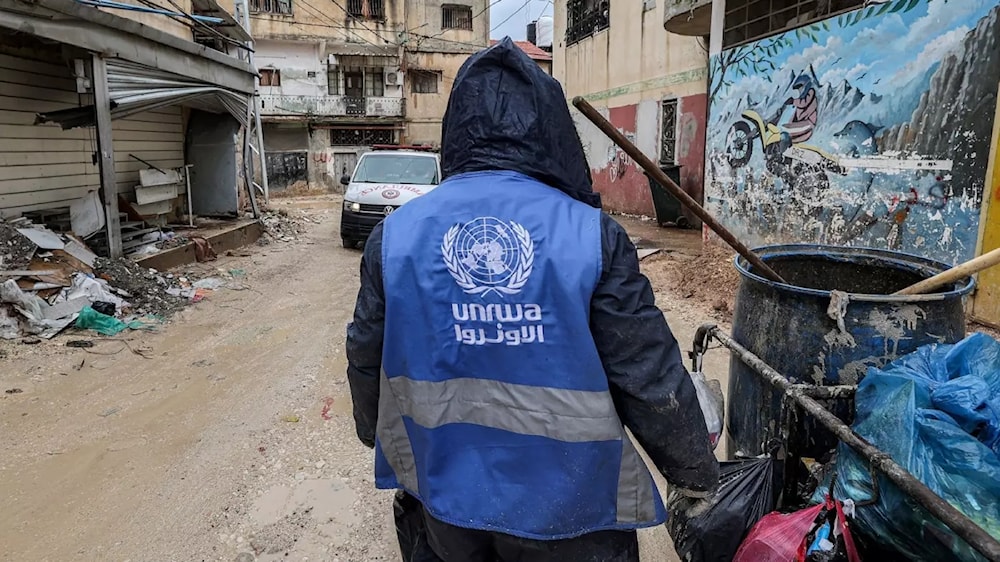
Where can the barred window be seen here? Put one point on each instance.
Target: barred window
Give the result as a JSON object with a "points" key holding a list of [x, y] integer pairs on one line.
{"points": [[424, 81], [283, 7], [668, 132], [361, 137], [585, 18], [749, 20], [456, 17], [367, 9]]}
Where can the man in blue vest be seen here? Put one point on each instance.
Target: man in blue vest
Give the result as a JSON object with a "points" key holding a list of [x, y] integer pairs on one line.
{"points": [[504, 338]]}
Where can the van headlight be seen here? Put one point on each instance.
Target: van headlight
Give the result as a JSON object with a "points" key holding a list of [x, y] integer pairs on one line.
{"points": [[352, 206]]}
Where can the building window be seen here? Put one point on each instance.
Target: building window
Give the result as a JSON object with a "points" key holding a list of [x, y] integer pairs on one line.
{"points": [[424, 81], [585, 18], [374, 82], [283, 7], [367, 9], [361, 137], [270, 77], [333, 80], [668, 132], [456, 17], [749, 20]]}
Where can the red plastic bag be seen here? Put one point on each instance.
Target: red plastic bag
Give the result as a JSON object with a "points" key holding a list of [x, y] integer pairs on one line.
{"points": [[780, 537]]}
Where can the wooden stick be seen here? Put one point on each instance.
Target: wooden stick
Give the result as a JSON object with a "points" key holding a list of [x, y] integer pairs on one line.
{"points": [[960, 271], [661, 178]]}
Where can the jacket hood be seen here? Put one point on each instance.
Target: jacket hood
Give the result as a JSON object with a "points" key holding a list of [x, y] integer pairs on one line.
{"points": [[506, 113]]}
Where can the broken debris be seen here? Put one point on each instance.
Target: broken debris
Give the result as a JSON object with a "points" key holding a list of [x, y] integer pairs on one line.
{"points": [[48, 280], [16, 251], [145, 289], [280, 226]]}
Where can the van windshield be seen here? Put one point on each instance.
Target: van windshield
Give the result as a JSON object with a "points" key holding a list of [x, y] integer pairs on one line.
{"points": [[397, 168]]}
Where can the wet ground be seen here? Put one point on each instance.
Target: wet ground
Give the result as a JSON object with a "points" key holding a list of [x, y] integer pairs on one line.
{"points": [[227, 434]]}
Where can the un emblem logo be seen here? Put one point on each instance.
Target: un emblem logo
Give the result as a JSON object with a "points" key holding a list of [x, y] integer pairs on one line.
{"points": [[488, 255]]}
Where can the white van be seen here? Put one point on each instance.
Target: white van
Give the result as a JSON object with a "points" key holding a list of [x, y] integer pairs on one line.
{"points": [[383, 181]]}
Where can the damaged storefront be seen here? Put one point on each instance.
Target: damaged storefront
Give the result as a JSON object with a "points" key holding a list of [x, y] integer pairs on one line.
{"points": [[116, 140], [108, 139]]}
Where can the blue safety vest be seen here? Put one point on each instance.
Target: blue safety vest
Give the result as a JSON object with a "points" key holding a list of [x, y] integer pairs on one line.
{"points": [[494, 407]]}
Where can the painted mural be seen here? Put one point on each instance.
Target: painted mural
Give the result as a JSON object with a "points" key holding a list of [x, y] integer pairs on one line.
{"points": [[868, 129]]}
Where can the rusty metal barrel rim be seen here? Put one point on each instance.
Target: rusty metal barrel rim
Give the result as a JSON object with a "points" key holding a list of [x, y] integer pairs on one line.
{"points": [[917, 266]]}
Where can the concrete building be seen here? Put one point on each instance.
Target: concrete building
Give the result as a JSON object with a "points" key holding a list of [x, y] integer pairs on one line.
{"points": [[92, 93], [890, 147], [338, 76], [649, 83]]}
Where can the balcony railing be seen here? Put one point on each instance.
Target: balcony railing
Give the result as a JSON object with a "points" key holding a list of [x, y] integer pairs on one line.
{"points": [[335, 106]]}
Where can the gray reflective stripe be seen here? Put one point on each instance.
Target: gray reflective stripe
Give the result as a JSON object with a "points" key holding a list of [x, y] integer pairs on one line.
{"points": [[564, 415], [635, 488], [394, 439]]}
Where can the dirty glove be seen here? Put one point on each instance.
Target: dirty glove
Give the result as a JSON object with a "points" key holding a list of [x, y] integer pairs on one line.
{"points": [[690, 502]]}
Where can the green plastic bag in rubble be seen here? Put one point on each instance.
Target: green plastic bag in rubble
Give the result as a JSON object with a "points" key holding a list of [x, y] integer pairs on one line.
{"points": [[90, 319]]}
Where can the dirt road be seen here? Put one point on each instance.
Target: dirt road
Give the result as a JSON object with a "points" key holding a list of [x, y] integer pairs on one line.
{"points": [[226, 435]]}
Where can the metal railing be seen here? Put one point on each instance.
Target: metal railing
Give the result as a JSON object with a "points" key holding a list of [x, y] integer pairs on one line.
{"points": [[342, 106]]}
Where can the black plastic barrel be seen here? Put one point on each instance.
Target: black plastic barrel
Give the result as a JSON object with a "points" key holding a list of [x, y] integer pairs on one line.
{"points": [[794, 328], [668, 208]]}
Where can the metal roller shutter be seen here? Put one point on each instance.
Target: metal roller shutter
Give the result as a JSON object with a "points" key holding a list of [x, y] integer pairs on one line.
{"points": [[46, 167]]}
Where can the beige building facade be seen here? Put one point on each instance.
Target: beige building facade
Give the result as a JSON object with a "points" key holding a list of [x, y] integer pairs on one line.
{"points": [[338, 77], [651, 84]]}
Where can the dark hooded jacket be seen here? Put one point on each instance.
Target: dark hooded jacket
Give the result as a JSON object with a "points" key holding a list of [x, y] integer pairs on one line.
{"points": [[505, 113]]}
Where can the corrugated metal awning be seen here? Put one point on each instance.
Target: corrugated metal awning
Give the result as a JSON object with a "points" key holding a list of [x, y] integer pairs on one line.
{"points": [[230, 27], [135, 88]]}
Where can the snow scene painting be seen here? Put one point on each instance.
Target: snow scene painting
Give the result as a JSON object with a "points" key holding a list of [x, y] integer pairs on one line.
{"points": [[872, 128]]}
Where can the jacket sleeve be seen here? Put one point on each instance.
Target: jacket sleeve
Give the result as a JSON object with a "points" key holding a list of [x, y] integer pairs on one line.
{"points": [[652, 390], [364, 340]]}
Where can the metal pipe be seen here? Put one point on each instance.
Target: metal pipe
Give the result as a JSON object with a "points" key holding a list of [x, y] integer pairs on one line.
{"points": [[110, 4], [133, 156], [954, 519], [661, 178], [187, 182]]}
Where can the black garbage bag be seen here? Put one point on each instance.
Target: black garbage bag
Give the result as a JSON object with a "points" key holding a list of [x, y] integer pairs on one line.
{"points": [[411, 529], [748, 490]]}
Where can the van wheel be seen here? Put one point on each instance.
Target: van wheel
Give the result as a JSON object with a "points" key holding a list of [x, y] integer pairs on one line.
{"points": [[348, 243]]}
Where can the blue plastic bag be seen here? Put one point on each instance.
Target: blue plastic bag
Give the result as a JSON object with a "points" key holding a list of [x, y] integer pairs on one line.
{"points": [[935, 412]]}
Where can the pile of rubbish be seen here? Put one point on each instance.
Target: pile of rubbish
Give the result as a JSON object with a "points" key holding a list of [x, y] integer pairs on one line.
{"points": [[49, 281], [936, 412], [280, 226]]}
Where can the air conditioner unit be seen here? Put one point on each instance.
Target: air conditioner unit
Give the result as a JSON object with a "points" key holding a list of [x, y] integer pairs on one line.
{"points": [[393, 77]]}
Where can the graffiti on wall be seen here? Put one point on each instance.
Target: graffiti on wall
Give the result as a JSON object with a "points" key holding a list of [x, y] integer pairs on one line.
{"points": [[869, 129], [618, 161]]}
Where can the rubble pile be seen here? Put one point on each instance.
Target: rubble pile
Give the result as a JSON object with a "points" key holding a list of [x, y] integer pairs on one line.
{"points": [[148, 291], [49, 281], [15, 250], [709, 278], [279, 225]]}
